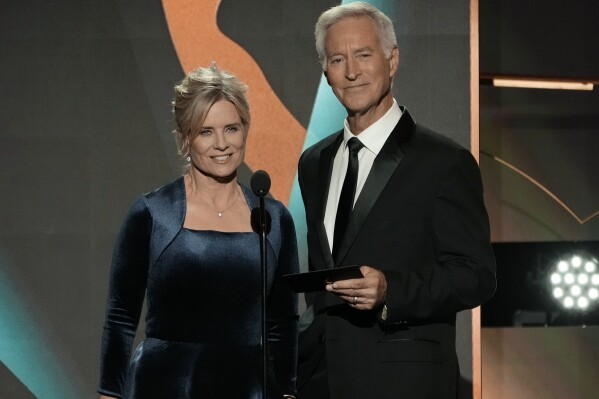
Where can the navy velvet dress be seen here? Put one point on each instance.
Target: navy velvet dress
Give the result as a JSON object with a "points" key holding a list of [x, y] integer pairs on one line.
{"points": [[203, 320]]}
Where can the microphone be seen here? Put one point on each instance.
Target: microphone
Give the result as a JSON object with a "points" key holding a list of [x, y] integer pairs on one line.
{"points": [[260, 183]]}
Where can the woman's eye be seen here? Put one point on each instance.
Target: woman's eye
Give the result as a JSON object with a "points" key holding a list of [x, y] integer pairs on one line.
{"points": [[205, 132], [232, 129]]}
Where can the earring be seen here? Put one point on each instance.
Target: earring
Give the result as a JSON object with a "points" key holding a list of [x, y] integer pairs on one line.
{"points": [[188, 159]]}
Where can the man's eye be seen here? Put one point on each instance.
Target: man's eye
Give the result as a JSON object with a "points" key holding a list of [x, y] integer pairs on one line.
{"points": [[336, 60]]}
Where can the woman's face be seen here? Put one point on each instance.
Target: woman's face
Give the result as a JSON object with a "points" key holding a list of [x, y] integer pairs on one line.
{"points": [[219, 148]]}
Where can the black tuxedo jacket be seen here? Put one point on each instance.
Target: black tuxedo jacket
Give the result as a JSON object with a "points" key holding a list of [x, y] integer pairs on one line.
{"points": [[420, 218]]}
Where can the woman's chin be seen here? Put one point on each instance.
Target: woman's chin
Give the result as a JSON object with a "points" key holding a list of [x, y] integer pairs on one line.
{"points": [[220, 176]]}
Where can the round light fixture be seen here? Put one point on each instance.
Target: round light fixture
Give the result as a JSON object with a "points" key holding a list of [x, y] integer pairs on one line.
{"points": [[574, 283]]}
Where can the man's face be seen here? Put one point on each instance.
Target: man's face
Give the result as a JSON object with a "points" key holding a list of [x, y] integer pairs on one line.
{"points": [[357, 68]]}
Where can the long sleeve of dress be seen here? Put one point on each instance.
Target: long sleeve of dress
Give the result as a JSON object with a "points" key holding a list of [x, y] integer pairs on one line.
{"points": [[282, 311], [125, 298]]}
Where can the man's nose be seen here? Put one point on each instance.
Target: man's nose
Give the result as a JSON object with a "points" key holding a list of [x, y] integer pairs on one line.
{"points": [[352, 70]]}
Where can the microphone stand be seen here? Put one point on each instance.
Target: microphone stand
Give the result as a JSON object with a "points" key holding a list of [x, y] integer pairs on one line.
{"points": [[264, 282], [260, 183]]}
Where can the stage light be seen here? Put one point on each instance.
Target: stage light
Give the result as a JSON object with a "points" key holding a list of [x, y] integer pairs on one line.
{"points": [[562, 266], [574, 283], [537, 82], [556, 278], [568, 302], [542, 84], [545, 284]]}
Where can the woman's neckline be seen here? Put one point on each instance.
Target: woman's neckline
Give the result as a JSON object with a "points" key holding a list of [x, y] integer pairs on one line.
{"points": [[244, 197], [216, 231]]}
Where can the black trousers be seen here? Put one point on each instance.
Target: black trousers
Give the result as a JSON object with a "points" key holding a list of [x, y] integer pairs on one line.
{"points": [[317, 385]]}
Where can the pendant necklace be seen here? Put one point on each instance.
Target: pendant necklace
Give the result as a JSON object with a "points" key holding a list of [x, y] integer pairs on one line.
{"points": [[219, 213]]}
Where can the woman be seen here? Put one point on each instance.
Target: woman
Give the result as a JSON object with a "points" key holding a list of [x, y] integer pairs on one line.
{"points": [[190, 247]]}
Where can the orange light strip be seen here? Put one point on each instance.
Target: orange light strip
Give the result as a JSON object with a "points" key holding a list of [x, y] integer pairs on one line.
{"points": [[542, 84], [538, 82], [475, 148]]}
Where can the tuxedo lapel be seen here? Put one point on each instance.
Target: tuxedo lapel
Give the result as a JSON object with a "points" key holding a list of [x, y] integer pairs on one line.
{"points": [[325, 168], [383, 168]]}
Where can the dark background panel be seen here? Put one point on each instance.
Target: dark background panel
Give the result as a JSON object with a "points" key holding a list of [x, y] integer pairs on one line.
{"points": [[280, 37], [433, 79], [551, 135], [79, 140], [11, 386], [547, 38]]}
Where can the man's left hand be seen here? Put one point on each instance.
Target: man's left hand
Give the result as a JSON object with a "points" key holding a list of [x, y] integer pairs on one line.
{"points": [[364, 293]]}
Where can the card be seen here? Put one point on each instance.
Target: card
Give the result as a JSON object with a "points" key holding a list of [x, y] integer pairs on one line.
{"points": [[317, 280]]}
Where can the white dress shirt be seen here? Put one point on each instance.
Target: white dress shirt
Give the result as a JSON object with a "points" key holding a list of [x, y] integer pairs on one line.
{"points": [[373, 138]]}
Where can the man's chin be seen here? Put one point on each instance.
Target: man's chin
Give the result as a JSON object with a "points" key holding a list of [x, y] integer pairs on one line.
{"points": [[358, 111]]}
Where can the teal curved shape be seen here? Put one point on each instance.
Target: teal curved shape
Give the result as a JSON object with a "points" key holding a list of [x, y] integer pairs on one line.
{"points": [[327, 118], [26, 351]]}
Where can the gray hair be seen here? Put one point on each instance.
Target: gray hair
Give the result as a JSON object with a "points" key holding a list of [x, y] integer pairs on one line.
{"points": [[356, 9], [196, 93]]}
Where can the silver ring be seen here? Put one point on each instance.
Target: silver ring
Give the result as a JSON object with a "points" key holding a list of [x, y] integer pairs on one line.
{"points": [[355, 300]]}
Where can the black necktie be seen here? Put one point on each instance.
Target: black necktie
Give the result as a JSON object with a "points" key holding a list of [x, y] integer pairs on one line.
{"points": [[348, 192]]}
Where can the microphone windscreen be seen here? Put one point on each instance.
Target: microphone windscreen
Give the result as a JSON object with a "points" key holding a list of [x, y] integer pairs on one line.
{"points": [[260, 183]]}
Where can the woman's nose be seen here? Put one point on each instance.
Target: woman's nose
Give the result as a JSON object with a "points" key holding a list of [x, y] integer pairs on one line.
{"points": [[221, 142]]}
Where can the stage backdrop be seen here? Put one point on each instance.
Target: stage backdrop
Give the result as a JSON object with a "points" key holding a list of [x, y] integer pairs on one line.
{"points": [[539, 167], [85, 127]]}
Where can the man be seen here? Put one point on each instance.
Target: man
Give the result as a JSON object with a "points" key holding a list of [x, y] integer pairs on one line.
{"points": [[419, 230]]}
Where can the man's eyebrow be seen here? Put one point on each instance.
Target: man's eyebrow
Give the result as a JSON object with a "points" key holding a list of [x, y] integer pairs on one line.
{"points": [[358, 50]]}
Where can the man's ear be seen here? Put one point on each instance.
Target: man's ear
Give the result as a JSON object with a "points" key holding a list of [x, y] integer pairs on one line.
{"points": [[326, 77], [394, 61]]}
